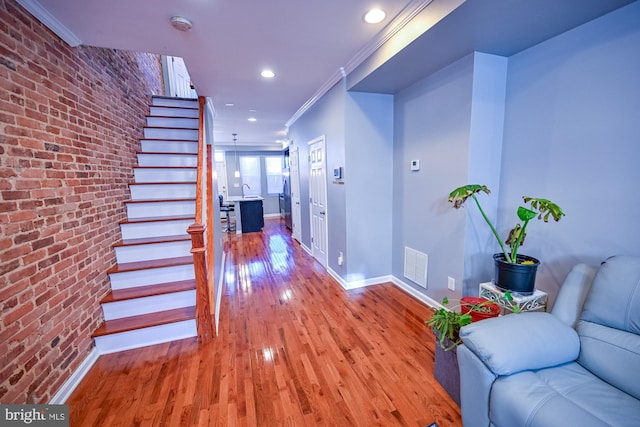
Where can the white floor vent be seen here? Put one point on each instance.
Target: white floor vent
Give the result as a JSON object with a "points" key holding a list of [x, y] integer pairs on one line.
{"points": [[415, 266]]}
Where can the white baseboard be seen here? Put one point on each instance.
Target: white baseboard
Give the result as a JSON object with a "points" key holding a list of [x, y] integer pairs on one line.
{"points": [[70, 385], [272, 215], [355, 284], [415, 293], [216, 309], [306, 248]]}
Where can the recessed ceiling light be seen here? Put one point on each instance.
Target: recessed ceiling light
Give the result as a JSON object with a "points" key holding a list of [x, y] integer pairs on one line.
{"points": [[374, 16], [229, 104], [252, 119], [268, 74]]}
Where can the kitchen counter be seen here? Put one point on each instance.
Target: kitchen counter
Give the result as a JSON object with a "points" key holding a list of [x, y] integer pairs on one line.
{"points": [[248, 212]]}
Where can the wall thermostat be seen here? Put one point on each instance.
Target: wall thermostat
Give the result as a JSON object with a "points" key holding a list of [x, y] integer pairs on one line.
{"points": [[337, 173], [415, 165]]}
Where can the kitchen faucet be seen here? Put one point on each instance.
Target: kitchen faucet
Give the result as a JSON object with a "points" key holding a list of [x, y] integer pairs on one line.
{"points": [[248, 188]]}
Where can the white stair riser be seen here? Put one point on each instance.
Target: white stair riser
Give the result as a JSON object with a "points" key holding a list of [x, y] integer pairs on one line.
{"points": [[160, 209], [173, 112], [165, 175], [167, 146], [140, 230], [145, 159], [151, 251], [146, 305], [152, 276], [144, 337], [179, 134], [172, 122], [162, 191], [174, 102]]}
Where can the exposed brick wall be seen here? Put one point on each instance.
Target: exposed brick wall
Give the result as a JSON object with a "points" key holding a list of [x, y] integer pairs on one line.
{"points": [[70, 123]]}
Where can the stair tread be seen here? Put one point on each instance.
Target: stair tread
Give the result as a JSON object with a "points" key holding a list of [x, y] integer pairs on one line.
{"points": [[125, 324], [165, 167], [149, 290], [147, 240], [154, 263], [162, 200], [170, 153], [169, 127], [168, 140], [162, 182], [158, 219], [178, 98], [153, 116]]}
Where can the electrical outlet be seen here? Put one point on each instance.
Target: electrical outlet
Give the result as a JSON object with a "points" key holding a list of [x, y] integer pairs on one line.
{"points": [[451, 283]]}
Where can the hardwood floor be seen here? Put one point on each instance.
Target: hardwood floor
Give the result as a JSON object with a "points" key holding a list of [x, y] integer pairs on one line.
{"points": [[293, 349]]}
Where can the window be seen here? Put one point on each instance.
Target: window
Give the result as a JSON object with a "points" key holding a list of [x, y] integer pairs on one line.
{"points": [[250, 172], [274, 174]]}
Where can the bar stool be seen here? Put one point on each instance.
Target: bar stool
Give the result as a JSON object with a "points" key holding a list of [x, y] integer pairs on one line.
{"points": [[227, 209]]}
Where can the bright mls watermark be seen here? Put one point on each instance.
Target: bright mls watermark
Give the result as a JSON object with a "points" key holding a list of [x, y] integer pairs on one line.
{"points": [[34, 415]]}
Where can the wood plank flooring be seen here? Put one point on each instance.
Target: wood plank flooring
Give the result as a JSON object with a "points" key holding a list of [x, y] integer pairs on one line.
{"points": [[294, 349]]}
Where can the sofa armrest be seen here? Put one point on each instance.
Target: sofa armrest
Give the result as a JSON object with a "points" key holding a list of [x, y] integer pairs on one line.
{"points": [[573, 293], [519, 342]]}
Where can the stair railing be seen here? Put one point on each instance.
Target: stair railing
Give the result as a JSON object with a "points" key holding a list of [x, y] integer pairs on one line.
{"points": [[201, 232]]}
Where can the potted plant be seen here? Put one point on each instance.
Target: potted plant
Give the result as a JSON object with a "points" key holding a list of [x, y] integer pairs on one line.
{"points": [[446, 325], [513, 271]]}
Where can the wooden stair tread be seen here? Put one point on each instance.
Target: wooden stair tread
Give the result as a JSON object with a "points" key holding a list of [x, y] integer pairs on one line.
{"points": [[169, 127], [169, 153], [125, 324], [154, 263], [163, 182], [179, 98], [157, 239], [165, 167], [151, 116], [162, 200], [149, 290], [168, 140], [157, 219]]}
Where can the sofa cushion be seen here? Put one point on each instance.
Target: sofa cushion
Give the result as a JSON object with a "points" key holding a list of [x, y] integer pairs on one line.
{"points": [[614, 297], [519, 342], [611, 354], [560, 396]]}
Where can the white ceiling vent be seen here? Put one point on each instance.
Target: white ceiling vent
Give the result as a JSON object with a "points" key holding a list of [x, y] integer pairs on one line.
{"points": [[415, 266]]}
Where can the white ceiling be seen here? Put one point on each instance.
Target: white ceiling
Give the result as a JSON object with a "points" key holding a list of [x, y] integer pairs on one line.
{"points": [[306, 43]]}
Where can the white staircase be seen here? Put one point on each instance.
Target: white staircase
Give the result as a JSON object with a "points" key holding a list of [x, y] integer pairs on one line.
{"points": [[152, 298]]}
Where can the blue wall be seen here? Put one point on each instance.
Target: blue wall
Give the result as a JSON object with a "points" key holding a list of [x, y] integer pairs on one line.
{"points": [[560, 120], [326, 117], [572, 134]]}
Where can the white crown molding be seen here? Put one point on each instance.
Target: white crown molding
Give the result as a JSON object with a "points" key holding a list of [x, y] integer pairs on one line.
{"points": [[50, 21], [398, 23]]}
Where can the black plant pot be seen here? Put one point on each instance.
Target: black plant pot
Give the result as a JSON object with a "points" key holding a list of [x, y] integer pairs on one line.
{"points": [[520, 278]]}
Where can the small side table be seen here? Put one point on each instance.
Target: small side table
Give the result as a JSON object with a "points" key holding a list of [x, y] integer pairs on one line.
{"points": [[534, 302]]}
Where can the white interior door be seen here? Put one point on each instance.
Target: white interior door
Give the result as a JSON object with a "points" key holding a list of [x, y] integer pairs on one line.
{"points": [[179, 79], [318, 200], [294, 177]]}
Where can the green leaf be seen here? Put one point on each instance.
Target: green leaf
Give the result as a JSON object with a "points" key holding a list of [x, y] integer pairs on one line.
{"points": [[460, 194], [508, 296], [445, 301], [526, 214]]}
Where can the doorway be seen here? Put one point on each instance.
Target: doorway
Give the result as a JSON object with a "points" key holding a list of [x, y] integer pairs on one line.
{"points": [[318, 199], [294, 177]]}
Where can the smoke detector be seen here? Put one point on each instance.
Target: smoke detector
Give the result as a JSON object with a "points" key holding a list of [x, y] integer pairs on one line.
{"points": [[181, 23]]}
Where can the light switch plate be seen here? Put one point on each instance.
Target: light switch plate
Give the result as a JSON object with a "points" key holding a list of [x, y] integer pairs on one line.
{"points": [[415, 165]]}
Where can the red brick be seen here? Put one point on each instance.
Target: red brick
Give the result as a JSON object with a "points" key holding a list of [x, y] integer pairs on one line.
{"points": [[68, 138]]}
